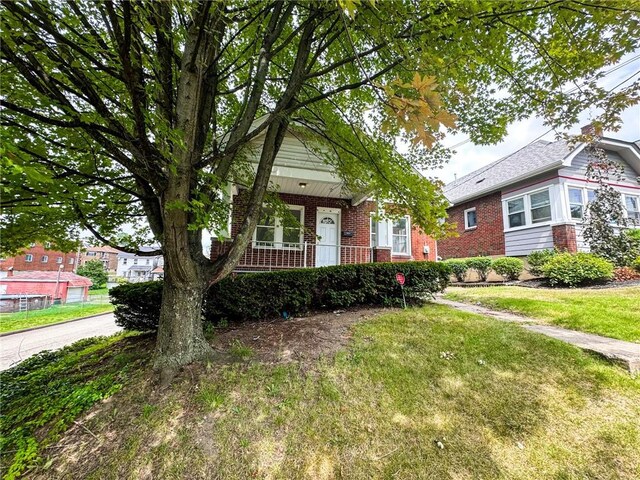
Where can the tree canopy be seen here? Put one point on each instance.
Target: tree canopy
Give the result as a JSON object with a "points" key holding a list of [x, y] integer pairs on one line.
{"points": [[142, 112]]}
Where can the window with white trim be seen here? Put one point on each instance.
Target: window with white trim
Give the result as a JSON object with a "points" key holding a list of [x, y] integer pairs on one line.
{"points": [[373, 232], [71, 261], [540, 206], [400, 236], [632, 205], [44, 259], [579, 198], [28, 258], [470, 219], [59, 260], [275, 232], [515, 209], [124, 261]]}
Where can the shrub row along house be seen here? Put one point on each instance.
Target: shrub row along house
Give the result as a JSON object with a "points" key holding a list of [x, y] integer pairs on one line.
{"points": [[330, 225], [534, 199]]}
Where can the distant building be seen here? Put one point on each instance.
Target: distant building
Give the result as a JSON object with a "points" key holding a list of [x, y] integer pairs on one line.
{"points": [[39, 258], [107, 255], [139, 268], [66, 286]]}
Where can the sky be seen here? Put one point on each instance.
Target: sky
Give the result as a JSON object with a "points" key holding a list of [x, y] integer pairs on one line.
{"points": [[470, 157]]}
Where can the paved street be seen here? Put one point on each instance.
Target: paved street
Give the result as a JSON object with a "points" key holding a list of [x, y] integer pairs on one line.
{"points": [[19, 346]]}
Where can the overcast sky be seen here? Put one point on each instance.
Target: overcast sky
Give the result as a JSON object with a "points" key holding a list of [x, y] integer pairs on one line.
{"points": [[469, 157]]}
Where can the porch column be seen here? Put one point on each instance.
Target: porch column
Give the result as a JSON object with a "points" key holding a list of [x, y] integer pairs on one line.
{"points": [[564, 237]]}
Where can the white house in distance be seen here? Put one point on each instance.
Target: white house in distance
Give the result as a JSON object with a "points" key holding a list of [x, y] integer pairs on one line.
{"points": [[534, 199], [138, 268]]}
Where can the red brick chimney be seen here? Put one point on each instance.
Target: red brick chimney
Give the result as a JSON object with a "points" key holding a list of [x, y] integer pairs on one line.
{"points": [[591, 129]]}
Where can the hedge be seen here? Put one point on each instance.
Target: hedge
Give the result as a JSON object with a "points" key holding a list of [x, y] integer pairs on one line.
{"points": [[509, 268], [260, 296], [575, 269], [482, 266], [458, 268]]}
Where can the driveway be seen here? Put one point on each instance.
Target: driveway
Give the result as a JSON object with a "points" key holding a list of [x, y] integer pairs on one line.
{"points": [[18, 346]]}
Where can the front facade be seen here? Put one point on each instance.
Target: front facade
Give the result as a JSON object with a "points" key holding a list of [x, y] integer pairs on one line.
{"points": [[139, 268], [39, 258], [534, 199], [107, 255], [325, 224]]}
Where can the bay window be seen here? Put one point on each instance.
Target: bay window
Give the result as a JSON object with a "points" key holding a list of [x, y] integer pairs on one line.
{"points": [[576, 203], [529, 209], [275, 232], [515, 208], [632, 204]]}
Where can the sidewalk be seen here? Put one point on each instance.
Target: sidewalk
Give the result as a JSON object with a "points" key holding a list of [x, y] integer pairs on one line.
{"points": [[627, 354]]}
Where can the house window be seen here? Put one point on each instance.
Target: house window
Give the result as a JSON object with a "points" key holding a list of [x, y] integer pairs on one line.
{"points": [[28, 257], [373, 229], [275, 232], [516, 212], [71, 260], [540, 207], [47, 244], [470, 219], [576, 204], [59, 260], [135, 261], [400, 236], [91, 254], [45, 258], [124, 261], [633, 207]]}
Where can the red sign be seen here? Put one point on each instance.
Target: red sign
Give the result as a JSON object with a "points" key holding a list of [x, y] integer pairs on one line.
{"points": [[400, 278]]}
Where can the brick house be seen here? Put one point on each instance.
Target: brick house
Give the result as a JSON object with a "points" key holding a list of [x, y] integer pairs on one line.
{"points": [[533, 199], [107, 255], [338, 226], [40, 258]]}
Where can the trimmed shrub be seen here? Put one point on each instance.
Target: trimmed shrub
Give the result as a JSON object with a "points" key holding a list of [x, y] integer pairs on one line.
{"points": [[636, 264], [537, 260], [458, 268], [509, 268], [481, 265], [575, 269], [260, 296]]}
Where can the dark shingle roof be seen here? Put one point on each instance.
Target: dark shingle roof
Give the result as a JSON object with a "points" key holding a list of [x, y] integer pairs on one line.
{"points": [[535, 158]]}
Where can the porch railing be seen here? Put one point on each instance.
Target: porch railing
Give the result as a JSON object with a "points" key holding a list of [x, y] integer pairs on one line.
{"points": [[267, 256]]}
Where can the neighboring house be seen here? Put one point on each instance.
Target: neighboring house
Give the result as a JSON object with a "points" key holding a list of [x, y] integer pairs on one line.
{"points": [[66, 286], [533, 199], [107, 255], [39, 258], [139, 268], [338, 225]]}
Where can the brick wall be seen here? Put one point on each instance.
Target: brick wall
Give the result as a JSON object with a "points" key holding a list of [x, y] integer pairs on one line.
{"points": [[20, 264], [564, 237], [486, 239]]}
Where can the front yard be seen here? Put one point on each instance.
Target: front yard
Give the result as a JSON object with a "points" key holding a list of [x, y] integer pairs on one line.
{"points": [[423, 393], [10, 322], [611, 312]]}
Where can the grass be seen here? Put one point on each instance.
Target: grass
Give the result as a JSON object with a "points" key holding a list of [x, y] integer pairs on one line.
{"points": [[423, 393], [99, 291], [612, 312], [10, 322], [42, 396]]}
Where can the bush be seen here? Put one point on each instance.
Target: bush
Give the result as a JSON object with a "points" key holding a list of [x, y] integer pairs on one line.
{"points": [[636, 264], [259, 296], [574, 269], [508, 267], [94, 270], [482, 266], [458, 268], [537, 260]]}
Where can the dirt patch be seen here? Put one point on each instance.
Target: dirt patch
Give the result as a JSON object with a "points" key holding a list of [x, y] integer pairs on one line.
{"points": [[296, 339]]}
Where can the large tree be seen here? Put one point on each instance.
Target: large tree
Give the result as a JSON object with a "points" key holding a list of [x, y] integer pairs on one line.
{"points": [[116, 112]]}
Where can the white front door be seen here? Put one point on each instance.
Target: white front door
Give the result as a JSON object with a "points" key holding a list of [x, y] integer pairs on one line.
{"points": [[327, 228]]}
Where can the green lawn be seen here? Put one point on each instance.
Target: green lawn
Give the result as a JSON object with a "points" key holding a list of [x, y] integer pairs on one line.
{"points": [[99, 291], [612, 312], [503, 403], [55, 314]]}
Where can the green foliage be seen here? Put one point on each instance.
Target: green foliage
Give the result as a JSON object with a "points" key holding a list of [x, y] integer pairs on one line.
{"points": [[575, 269], [94, 269], [458, 267], [508, 267], [537, 261], [260, 296], [636, 264], [43, 395], [481, 265]]}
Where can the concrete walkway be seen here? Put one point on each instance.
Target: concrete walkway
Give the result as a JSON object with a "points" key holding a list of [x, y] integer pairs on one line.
{"points": [[626, 354], [18, 346]]}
